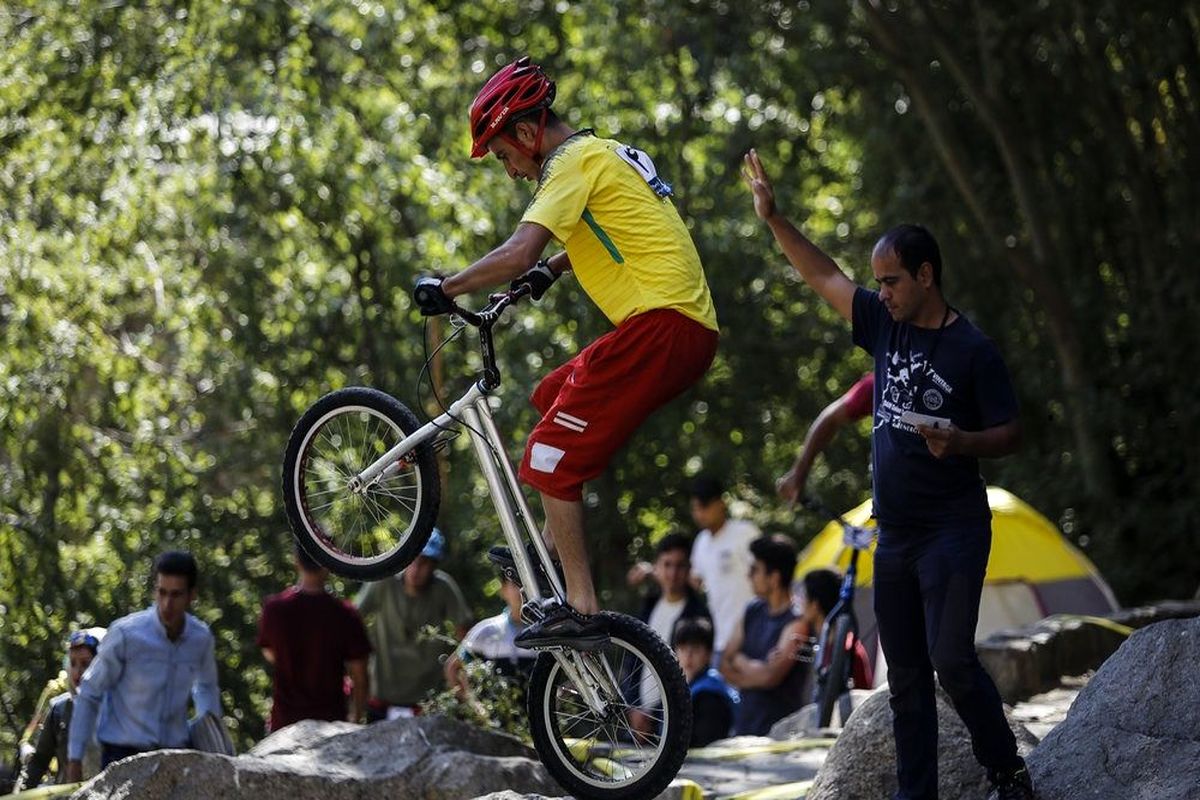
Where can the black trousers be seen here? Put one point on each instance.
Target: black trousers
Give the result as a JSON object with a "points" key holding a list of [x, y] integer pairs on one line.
{"points": [[115, 752], [927, 589]]}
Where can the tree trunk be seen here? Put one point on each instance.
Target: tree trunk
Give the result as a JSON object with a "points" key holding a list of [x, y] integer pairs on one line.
{"points": [[1033, 268]]}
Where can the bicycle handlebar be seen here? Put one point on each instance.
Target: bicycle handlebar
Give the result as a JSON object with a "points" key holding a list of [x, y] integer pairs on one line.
{"points": [[483, 320], [487, 316], [854, 535]]}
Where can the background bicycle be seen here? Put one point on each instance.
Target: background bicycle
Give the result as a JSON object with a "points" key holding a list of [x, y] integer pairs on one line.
{"points": [[838, 644]]}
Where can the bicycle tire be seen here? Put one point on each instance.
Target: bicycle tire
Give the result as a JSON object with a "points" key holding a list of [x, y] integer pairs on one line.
{"points": [[577, 773], [417, 490], [837, 677]]}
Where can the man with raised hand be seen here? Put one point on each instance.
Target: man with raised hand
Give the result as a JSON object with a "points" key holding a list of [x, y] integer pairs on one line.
{"points": [[943, 400]]}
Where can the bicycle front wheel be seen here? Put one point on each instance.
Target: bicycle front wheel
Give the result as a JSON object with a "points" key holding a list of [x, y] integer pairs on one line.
{"points": [[368, 532], [596, 752]]}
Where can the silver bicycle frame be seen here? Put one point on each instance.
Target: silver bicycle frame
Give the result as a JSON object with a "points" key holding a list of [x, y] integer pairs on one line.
{"points": [[473, 411]]}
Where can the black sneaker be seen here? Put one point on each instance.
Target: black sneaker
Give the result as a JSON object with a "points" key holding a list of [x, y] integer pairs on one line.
{"points": [[501, 556], [563, 626], [1015, 785]]}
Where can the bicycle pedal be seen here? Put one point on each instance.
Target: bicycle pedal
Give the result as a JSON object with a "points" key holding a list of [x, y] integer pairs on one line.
{"points": [[502, 557], [532, 612]]}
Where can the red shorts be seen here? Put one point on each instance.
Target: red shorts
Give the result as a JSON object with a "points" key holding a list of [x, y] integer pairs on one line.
{"points": [[592, 404]]}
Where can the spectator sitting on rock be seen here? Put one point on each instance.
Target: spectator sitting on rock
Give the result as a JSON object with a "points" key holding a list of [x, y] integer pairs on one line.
{"points": [[714, 702], [821, 589], [141, 679], [52, 734], [313, 640], [762, 658], [406, 664]]}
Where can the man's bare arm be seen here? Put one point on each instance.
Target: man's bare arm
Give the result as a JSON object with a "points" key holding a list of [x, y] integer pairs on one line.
{"points": [[728, 666], [817, 269], [515, 256], [360, 691], [769, 673], [833, 418]]}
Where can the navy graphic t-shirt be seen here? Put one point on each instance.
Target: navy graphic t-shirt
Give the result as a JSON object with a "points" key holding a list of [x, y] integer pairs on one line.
{"points": [[965, 380]]}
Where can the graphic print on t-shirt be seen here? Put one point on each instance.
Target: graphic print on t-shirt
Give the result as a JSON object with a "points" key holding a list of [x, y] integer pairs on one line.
{"points": [[906, 375]]}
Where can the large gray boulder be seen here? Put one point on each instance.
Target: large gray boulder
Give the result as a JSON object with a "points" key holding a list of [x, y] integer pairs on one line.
{"points": [[862, 763], [429, 758], [1030, 660], [1132, 733]]}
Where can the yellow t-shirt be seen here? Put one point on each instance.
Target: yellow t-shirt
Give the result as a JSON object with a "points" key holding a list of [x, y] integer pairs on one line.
{"points": [[628, 247]]}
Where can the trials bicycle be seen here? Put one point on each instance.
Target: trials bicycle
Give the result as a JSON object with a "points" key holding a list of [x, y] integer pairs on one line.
{"points": [[361, 488], [833, 665]]}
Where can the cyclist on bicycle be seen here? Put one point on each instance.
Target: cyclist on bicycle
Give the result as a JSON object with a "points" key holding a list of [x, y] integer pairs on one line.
{"points": [[633, 256]]}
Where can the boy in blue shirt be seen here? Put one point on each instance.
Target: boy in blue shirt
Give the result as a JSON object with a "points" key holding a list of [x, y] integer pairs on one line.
{"points": [[713, 701]]}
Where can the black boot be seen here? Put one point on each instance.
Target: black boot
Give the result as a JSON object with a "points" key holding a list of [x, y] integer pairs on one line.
{"points": [[1013, 785]]}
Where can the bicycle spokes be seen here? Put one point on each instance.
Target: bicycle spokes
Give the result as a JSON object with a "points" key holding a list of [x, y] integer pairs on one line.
{"points": [[614, 743], [363, 522]]}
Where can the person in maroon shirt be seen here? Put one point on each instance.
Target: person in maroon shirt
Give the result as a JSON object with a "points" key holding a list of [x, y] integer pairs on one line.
{"points": [[313, 640]]}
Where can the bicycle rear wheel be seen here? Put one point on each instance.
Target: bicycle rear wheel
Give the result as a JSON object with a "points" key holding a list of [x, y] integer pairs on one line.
{"points": [[379, 529], [837, 677], [598, 754]]}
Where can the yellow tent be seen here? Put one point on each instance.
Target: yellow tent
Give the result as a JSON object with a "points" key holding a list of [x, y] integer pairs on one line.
{"points": [[1033, 570]]}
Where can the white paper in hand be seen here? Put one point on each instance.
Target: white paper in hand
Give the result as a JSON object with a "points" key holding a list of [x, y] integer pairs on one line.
{"points": [[913, 418]]}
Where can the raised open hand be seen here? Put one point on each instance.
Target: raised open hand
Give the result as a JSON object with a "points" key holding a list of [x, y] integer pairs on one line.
{"points": [[756, 178]]}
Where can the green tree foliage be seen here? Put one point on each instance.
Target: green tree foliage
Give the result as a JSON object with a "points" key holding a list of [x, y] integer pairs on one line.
{"points": [[211, 213]]}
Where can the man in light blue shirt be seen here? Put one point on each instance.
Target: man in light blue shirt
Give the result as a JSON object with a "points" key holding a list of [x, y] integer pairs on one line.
{"points": [[148, 664]]}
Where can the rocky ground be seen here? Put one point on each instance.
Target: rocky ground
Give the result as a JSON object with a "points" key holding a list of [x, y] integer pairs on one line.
{"points": [[1040, 713], [1126, 730], [328, 761], [742, 766]]}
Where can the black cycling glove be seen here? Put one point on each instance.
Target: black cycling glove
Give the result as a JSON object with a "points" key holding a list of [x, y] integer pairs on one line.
{"points": [[539, 279], [430, 298]]}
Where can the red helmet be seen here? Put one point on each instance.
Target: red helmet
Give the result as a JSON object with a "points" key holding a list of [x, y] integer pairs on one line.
{"points": [[518, 87]]}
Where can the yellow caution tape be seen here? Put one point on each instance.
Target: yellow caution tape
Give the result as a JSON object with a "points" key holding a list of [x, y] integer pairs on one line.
{"points": [[785, 791], [1103, 622], [583, 751], [45, 792], [720, 753]]}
